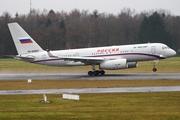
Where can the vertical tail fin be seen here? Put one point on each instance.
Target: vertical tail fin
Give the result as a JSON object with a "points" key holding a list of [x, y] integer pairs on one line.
{"points": [[23, 42]]}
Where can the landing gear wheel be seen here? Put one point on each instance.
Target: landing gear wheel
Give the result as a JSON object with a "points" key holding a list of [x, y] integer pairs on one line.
{"points": [[96, 73], [154, 69], [102, 72], [90, 73]]}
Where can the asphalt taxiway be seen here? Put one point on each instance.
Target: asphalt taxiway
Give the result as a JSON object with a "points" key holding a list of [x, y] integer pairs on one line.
{"points": [[68, 76], [93, 90]]}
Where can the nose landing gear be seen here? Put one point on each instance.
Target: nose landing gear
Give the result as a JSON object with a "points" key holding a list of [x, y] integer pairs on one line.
{"points": [[154, 69], [154, 65]]}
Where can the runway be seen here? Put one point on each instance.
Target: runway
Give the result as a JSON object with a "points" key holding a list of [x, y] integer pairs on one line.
{"points": [[68, 76]]}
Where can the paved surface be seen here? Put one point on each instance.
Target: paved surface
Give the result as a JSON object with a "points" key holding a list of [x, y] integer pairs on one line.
{"points": [[65, 76], [93, 90]]}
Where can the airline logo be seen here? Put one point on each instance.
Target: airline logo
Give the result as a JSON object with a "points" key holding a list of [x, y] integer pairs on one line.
{"points": [[25, 40], [108, 50]]}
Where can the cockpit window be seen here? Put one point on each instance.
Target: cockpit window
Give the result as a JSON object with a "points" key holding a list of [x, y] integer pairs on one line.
{"points": [[165, 47]]}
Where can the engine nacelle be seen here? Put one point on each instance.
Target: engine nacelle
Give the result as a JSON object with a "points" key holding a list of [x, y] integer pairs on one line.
{"points": [[114, 64], [132, 64]]}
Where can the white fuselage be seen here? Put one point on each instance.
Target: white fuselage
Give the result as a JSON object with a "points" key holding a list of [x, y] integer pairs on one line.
{"points": [[132, 53], [109, 57]]}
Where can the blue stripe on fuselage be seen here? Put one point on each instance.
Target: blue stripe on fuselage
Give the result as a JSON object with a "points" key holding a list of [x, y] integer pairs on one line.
{"points": [[106, 55]]}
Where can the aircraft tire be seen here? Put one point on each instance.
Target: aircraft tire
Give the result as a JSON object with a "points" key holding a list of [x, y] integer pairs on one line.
{"points": [[154, 69], [96, 73], [102, 72], [90, 73]]}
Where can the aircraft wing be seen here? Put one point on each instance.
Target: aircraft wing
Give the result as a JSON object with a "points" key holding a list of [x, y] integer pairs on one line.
{"points": [[85, 59], [80, 59]]}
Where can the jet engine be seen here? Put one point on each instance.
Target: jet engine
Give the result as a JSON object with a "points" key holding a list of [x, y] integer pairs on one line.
{"points": [[114, 64], [117, 64], [132, 64]]}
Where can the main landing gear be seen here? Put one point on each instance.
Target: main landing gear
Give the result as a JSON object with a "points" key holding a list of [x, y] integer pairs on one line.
{"points": [[154, 65], [96, 72]]}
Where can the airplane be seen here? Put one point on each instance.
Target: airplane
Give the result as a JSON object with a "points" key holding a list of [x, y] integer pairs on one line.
{"points": [[107, 58]]}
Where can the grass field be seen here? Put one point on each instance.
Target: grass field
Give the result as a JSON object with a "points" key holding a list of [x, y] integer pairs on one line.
{"points": [[105, 106], [114, 106]]}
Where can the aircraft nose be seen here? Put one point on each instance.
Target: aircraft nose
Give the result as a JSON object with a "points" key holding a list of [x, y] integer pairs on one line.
{"points": [[173, 53]]}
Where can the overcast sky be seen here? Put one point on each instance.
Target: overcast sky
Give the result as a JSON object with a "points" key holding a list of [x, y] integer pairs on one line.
{"points": [[103, 6]]}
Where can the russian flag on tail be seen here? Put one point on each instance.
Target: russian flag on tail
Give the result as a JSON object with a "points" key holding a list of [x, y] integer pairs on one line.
{"points": [[25, 40]]}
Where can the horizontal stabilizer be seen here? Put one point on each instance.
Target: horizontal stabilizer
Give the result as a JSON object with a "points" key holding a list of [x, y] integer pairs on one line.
{"points": [[23, 58], [27, 59]]}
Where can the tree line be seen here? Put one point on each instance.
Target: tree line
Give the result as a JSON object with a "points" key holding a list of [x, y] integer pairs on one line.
{"points": [[78, 29]]}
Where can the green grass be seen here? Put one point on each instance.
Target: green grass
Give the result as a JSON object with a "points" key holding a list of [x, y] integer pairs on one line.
{"points": [[171, 65], [114, 106]]}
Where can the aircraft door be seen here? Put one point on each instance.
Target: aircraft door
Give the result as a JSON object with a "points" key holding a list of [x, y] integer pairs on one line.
{"points": [[153, 50], [44, 58]]}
